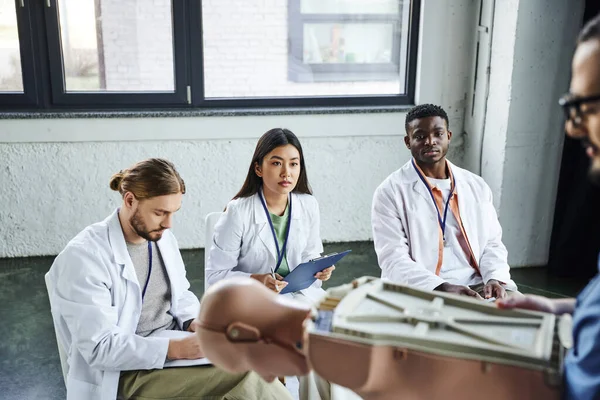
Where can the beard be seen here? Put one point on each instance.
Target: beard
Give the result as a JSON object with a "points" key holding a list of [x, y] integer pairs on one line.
{"points": [[140, 228], [594, 175], [594, 169]]}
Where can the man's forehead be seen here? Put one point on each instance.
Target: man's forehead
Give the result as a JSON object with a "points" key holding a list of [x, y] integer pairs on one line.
{"points": [[585, 80], [170, 202], [427, 123]]}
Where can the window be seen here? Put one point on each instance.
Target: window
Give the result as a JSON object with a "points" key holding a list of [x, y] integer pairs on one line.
{"points": [[116, 53], [115, 45], [17, 80], [11, 77], [95, 54], [350, 40]]}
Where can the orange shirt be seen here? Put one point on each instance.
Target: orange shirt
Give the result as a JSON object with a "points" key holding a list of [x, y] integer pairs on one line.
{"points": [[463, 239]]}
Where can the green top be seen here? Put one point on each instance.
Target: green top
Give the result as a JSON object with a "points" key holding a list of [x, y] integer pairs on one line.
{"points": [[280, 226]]}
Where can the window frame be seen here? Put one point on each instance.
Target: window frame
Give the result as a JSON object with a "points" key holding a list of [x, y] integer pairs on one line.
{"points": [[97, 99], [28, 97], [44, 82], [405, 99]]}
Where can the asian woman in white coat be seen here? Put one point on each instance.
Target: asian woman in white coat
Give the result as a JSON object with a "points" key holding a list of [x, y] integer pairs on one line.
{"points": [[272, 224], [270, 227]]}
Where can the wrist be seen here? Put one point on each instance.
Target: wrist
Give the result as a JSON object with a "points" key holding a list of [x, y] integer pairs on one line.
{"points": [[173, 350], [562, 306]]}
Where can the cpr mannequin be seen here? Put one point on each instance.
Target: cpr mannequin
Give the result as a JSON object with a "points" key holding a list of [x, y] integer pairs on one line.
{"points": [[244, 326]]}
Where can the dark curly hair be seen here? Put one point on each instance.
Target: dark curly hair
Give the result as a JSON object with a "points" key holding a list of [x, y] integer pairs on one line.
{"points": [[425, 111]]}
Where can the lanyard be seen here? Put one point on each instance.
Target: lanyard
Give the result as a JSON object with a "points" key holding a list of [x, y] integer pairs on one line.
{"points": [[441, 221], [287, 231], [149, 269]]}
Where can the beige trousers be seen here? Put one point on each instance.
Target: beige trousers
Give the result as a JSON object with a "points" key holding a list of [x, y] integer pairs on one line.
{"points": [[200, 382]]}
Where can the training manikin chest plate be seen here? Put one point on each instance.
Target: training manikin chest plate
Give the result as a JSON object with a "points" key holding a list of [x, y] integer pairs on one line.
{"points": [[380, 313]]}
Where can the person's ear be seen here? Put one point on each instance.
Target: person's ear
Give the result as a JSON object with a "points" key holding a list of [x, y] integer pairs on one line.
{"points": [[257, 170], [449, 135], [407, 141], [129, 200]]}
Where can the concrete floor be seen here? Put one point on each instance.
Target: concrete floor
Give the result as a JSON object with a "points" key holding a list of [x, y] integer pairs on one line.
{"points": [[29, 363]]}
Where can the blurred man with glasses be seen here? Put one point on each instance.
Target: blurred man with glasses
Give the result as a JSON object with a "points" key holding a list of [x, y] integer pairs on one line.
{"points": [[582, 110]]}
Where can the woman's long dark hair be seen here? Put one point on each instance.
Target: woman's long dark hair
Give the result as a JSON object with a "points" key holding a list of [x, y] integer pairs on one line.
{"points": [[267, 143]]}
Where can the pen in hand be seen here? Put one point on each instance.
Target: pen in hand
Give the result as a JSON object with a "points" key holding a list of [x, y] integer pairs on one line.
{"points": [[275, 279]]}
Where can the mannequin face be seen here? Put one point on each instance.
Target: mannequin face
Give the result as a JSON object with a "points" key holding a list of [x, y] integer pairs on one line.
{"points": [[265, 335]]}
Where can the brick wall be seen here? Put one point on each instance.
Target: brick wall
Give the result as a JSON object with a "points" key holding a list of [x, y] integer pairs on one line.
{"points": [[138, 49], [245, 50], [245, 54]]}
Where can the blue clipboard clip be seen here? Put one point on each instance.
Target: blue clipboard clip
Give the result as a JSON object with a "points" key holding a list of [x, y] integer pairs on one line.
{"points": [[303, 275]]}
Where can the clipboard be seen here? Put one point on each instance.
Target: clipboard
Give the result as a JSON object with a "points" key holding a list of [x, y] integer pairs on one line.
{"points": [[304, 274]]}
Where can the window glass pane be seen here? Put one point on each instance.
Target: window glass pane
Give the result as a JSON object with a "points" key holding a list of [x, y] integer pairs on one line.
{"points": [[350, 7], [344, 43], [117, 45], [260, 48], [11, 79]]}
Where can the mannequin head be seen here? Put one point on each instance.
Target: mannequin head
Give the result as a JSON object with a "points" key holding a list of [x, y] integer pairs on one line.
{"points": [[244, 326]]}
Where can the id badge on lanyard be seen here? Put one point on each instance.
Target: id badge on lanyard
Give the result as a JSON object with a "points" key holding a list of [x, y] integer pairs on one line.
{"points": [[149, 269], [441, 221], [281, 255]]}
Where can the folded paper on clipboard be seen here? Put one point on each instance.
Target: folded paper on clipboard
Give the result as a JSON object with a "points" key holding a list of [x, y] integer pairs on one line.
{"points": [[304, 274]]}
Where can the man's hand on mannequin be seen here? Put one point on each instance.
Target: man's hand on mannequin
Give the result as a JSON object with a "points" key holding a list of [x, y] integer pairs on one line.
{"points": [[193, 327], [539, 303], [458, 289]]}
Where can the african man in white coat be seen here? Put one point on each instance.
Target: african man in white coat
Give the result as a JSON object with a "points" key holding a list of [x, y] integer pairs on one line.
{"points": [[434, 224]]}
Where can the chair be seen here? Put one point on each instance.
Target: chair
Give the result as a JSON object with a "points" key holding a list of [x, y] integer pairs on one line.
{"points": [[61, 350], [210, 221]]}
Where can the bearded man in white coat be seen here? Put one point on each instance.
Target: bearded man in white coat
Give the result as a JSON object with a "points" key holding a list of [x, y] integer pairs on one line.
{"points": [[434, 224], [121, 303]]}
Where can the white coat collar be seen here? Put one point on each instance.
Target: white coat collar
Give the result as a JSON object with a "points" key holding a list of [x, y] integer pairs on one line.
{"points": [[409, 175], [122, 257], [265, 233], [119, 247], [260, 217]]}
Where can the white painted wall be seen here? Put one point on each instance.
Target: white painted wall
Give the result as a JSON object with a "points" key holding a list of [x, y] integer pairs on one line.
{"points": [[50, 191], [138, 44], [55, 172], [533, 41]]}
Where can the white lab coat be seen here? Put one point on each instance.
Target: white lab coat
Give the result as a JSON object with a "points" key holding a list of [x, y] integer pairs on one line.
{"points": [[96, 305], [406, 228], [243, 243]]}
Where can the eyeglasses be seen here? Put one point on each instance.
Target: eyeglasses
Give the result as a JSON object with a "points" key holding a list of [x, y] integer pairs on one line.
{"points": [[572, 106]]}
